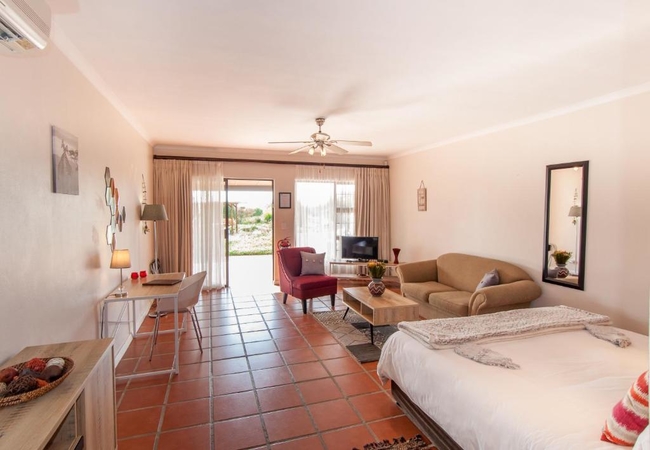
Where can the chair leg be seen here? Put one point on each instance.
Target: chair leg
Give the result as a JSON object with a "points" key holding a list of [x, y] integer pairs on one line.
{"points": [[332, 297], [156, 325], [196, 331], [304, 306], [197, 321], [284, 299]]}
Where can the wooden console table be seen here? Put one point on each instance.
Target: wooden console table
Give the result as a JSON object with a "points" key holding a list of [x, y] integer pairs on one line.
{"points": [[79, 413]]}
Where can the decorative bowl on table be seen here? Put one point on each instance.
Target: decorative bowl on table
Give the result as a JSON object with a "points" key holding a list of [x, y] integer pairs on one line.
{"points": [[28, 380]]}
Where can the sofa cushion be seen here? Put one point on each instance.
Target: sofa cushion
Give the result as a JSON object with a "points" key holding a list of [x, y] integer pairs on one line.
{"points": [[421, 291], [489, 279], [455, 302], [464, 272]]}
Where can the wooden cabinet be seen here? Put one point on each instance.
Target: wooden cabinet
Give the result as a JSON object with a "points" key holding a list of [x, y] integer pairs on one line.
{"points": [[77, 414]]}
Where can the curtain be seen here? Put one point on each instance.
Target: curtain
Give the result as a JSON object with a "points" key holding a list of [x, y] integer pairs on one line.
{"points": [[207, 222], [173, 188], [324, 209], [372, 207]]}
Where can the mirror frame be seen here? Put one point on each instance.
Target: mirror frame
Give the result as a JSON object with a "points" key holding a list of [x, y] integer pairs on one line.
{"points": [[583, 225]]}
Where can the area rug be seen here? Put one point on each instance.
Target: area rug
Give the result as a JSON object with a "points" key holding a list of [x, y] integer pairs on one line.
{"points": [[415, 443], [354, 333]]}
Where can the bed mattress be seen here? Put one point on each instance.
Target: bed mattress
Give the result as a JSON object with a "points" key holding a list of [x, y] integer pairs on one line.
{"points": [[559, 399]]}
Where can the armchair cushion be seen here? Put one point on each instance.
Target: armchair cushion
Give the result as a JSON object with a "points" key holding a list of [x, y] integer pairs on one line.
{"points": [[312, 263]]}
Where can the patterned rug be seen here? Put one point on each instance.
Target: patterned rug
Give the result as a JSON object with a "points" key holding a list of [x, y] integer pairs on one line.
{"points": [[354, 333], [415, 443]]}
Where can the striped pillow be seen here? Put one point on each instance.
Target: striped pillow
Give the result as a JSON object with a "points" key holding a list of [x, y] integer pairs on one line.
{"points": [[630, 415]]}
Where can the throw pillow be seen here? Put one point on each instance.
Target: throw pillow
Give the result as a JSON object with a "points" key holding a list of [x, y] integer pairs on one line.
{"points": [[629, 416], [312, 263], [489, 279]]}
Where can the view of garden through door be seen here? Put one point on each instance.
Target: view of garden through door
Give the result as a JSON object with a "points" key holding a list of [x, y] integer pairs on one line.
{"points": [[248, 216]]}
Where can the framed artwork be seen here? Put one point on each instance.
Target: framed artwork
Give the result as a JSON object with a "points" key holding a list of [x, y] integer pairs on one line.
{"points": [[285, 200], [65, 162], [422, 197]]}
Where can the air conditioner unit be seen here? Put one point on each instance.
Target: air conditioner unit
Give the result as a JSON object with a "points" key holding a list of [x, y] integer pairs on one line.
{"points": [[24, 25]]}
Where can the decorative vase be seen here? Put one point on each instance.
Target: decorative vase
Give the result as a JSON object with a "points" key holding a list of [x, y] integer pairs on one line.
{"points": [[562, 271], [396, 253], [376, 287]]}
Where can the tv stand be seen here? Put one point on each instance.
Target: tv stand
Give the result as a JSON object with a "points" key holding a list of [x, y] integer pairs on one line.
{"points": [[362, 270]]}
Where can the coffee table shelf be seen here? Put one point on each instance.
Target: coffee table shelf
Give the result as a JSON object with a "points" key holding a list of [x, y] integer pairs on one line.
{"points": [[388, 309]]}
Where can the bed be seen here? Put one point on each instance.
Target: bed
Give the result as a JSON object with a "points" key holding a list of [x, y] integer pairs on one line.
{"points": [[566, 387]]}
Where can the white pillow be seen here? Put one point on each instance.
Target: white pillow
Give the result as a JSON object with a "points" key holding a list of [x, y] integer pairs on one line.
{"points": [[489, 279], [312, 263], [643, 441]]}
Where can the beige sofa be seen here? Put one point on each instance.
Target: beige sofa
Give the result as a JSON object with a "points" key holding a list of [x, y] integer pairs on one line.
{"points": [[446, 287]]}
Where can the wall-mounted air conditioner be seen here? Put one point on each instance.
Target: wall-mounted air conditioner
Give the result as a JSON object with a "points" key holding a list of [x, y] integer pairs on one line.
{"points": [[24, 25]]}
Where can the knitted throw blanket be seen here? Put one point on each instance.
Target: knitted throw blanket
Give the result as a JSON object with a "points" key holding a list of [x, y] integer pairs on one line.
{"points": [[500, 326]]}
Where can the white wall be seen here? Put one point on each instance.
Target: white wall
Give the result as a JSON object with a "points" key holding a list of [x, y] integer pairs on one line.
{"points": [[486, 197], [54, 268]]}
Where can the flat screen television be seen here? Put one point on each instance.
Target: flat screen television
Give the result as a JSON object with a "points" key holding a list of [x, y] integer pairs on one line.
{"points": [[362, 248]]}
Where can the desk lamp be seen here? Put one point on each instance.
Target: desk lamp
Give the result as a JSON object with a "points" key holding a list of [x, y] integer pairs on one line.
{"points": [[121, 260], [155, 213]]}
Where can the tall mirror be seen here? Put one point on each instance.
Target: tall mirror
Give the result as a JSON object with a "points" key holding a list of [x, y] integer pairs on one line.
{"points": [[566, 224]]}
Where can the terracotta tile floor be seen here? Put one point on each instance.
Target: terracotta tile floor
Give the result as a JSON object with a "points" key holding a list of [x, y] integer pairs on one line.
{"points": [[269, 378]]}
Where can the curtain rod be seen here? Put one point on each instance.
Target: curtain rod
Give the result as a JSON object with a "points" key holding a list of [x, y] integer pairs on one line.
{"points": [[264, 161]]}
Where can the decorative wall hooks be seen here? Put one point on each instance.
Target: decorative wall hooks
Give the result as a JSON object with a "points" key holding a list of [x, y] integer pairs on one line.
{"points": [[422, 197], [112, 197], [145, 227]]}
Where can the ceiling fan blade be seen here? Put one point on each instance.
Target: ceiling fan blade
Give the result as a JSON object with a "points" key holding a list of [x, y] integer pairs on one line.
{"points": [[366, 143], [292, 142], [336, 149], [299, 149]]}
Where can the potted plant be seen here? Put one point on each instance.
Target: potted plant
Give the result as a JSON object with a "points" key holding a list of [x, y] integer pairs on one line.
{"points": [[376, 270], [561, 257]]}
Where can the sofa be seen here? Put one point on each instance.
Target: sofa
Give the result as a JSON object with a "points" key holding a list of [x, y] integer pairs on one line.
{"points": [[447, 286]]}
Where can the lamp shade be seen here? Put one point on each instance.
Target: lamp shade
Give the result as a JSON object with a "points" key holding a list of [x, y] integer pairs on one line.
{"points": [[120, 259], [575, 211], [154, 212]]}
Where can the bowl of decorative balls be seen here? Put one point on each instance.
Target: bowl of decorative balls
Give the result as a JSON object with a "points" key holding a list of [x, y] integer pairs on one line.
{"points": [[30, 379]]}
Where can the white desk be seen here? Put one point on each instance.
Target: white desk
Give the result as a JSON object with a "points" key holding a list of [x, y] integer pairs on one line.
{"points": [[136, 290]]}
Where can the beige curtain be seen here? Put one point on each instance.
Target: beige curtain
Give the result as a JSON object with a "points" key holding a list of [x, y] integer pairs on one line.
{"points": [[372, 207], [172, 180]]}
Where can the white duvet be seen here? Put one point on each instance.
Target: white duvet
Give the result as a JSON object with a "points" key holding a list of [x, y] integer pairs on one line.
{"points": [[559, 399]]}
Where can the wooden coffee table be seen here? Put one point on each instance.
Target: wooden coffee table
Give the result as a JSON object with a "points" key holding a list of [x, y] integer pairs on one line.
{"points": [[388, 309]]}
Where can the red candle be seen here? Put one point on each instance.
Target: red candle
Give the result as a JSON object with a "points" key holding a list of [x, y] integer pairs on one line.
{"points": [[143, 274], [134, 275]]}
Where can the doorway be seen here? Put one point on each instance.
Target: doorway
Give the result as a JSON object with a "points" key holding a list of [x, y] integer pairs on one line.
{"points": [[248, 224]]}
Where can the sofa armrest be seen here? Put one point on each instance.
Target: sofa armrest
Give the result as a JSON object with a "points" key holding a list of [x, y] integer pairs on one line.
{"points": [[523, 291], [418, 272]]}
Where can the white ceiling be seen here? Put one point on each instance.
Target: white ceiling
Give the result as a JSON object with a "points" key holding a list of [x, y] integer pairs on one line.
{"points": [[406, 75]]}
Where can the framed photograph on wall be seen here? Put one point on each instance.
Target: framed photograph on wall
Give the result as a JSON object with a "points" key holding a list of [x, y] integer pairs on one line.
{"points": [[285, 200], [65, 162]]}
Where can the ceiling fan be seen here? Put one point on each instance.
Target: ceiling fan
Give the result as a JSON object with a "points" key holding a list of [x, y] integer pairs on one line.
{"points": [[321, 142]]}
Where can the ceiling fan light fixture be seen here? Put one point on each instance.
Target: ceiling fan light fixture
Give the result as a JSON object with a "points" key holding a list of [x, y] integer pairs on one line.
{"points": [[320, 141]]}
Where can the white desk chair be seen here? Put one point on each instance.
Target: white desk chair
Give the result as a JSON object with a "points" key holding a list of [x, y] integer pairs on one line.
{"points": [[188, 297]]}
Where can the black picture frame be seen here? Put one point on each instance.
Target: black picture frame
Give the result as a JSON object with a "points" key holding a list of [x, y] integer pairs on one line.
{"points": [[284, 200]]}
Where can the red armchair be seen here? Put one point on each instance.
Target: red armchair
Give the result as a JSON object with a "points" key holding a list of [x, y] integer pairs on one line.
{"points": [[304, 287]]}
